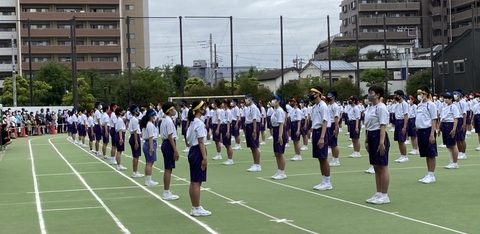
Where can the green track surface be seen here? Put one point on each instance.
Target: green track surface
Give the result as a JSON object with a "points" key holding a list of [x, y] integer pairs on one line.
{"points": [[241, 202]]}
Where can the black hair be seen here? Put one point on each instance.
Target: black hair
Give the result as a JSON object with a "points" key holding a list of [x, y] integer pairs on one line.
{"points": [[216, 102], [191, 114], [166, 106], [377, 90], [118, 111], [105, 109], [424, 88], [399, 92], [145, 118]]}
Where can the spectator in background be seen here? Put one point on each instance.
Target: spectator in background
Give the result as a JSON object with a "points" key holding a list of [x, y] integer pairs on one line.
{"points": [[5, 136], [54, 120], [48, 120], [42, 120], [59, 121]]}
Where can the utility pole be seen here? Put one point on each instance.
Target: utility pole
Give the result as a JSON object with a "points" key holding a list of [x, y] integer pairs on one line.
{"points": [[73, 38], [30, 62], [215, 65], [385, 51], [14, 74], [407, 56], [210, 43]]}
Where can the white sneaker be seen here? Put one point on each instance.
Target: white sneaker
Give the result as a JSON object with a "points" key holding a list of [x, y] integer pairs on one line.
{"points": [[422, 179], [237, 147], [335, 164], [92, 151], [478, 148], [407, 142], [309, 140], [137, 175], [404, 159], [121, 168], [442, 146], [151, 183], [355, 155], [217, 157], [370, 170], [111, 162], [323, 186], [263, 143], [340, 130], [468, 132], [392, 129], [270, 138], [350, 146], [372, 198], [296, 158], [228, 162], [306, 148], [208, 143], [381, 200], [413, 152], [198, 212], [279, 176], [452, 166], [168, 196], [287, 145], [429, 180], [186, 150], [347, 133], [462, 156], [255, 168]]}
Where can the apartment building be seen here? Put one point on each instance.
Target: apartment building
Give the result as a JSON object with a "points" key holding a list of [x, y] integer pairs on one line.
{"points": [[7, 33], [101, 33]]}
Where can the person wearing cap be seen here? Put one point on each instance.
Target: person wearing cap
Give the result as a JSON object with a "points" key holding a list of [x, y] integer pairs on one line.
{"points": [[320, 121], [296, 117], [377, 143], [97, 127], [354, 126], [217, 117], [411, 129], [236, 123], [168, 134], [462, 123], [251, 132], [149, 135], [269, 122], [134, 140], [197, 157], [401, 121], [226, 130], [184, 119], [425, 125], [450, 117], [334, 110], [279, 134], [476, 118]]}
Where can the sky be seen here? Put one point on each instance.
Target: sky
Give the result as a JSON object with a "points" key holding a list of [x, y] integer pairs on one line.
{"points": [[256, 29]]}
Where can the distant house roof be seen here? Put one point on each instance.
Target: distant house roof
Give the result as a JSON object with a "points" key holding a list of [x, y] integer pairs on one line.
{"points": [[452, 44], [337, 65], [274, 74]]}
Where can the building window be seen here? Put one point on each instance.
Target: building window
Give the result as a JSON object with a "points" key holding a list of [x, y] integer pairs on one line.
{"points": [[133, 65], [353, 19], [132, 35], [129, 7], [132, 22], [132, 50], [344, 9], [442, 68], [353, 5], [459, 66], [345, 22]]}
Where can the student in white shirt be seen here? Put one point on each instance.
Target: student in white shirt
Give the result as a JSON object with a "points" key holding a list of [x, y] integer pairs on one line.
{"points": [[226, 131], [120, 130], [82, 127], [476, 117], [97, 126], [304, 129], [462, 123], [217, 115], [236, 123], [251, 132], [450, 117], [149, 135], [320, 122], [90, 133], [295, 128], [168, 134], [105, 133], [134, 140], [354, 126], [377, 143], [411, 127], [263, 121], [401, 121], [269, 123], [334, 110], [197, 157], [278, 118], [426, 124], [184, 119], [112, 122]]}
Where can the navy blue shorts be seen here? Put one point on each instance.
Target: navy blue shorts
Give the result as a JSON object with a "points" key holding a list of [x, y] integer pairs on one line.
{"points": [[81, 130], [97, 130], [317, 152], [397, 135], [303, 130], [136, 153], [279, 148], [73, 128], [146, 148], [446, 129], [251, 143], [168, 155], [216, 137], [91, 135], [105, 136], [184, 128], [373, 142], [120, 147], [332, 140], [392, 118], [460, 134], [469, 119], [426, 149], [235, 131], [351, 129], [476, 121], [411, 128], [262, 125], [195, 159], [293, 129], [227, 141], [269, 122], [113, 135], [287, 125]]}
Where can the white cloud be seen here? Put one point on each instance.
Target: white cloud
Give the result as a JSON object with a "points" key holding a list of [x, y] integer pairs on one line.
{"points": [[256, 30]]}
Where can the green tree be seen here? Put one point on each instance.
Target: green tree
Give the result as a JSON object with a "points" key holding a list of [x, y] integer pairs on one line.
{"points": [[40, 89], [301, 88], [264, 94], [192, 82], [345, 88], [335, 53], [373, 76], [197, 91], [371, 55], [176, 77], [350, 53], [58, 76], [246, 85], [417, 79], [85, 98], [221, 89]]}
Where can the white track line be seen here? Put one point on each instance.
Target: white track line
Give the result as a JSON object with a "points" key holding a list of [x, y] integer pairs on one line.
{"points": [[41, 221], [235, 202], [80, 163], [117, 221], [364, 206], [78, 208], [96, 189], [71, 173], [73, 201], [202, 224]]}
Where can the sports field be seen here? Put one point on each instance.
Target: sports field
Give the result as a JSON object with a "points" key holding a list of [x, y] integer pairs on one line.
{"points": [[50, 185]]}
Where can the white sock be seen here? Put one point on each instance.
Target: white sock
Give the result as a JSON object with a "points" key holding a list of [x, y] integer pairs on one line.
{"points": [[148, 178], [378, 194], [112, 158], [323, 179], [405, 156], [450, 154], [430, 173], [327, 179], [166, 191], [385, 194]]}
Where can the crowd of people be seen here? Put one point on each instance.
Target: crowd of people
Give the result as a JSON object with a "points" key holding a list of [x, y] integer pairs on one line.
{"points": [[314, 123]]}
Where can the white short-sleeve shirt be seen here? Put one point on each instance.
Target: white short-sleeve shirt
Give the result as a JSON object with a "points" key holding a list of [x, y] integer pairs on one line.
{"points": [[375, 116], [425, 112], [134, 125], [113, 120], [335, 111], [278, 117], [195, 131], [450, 113], [149, 131], [319, 114], [296, 115], [90, 121], [167, 127], [120, 125], [105, 119], [412, 111], [401, 109], [353, 113], [251, 113], [97, 116]]}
